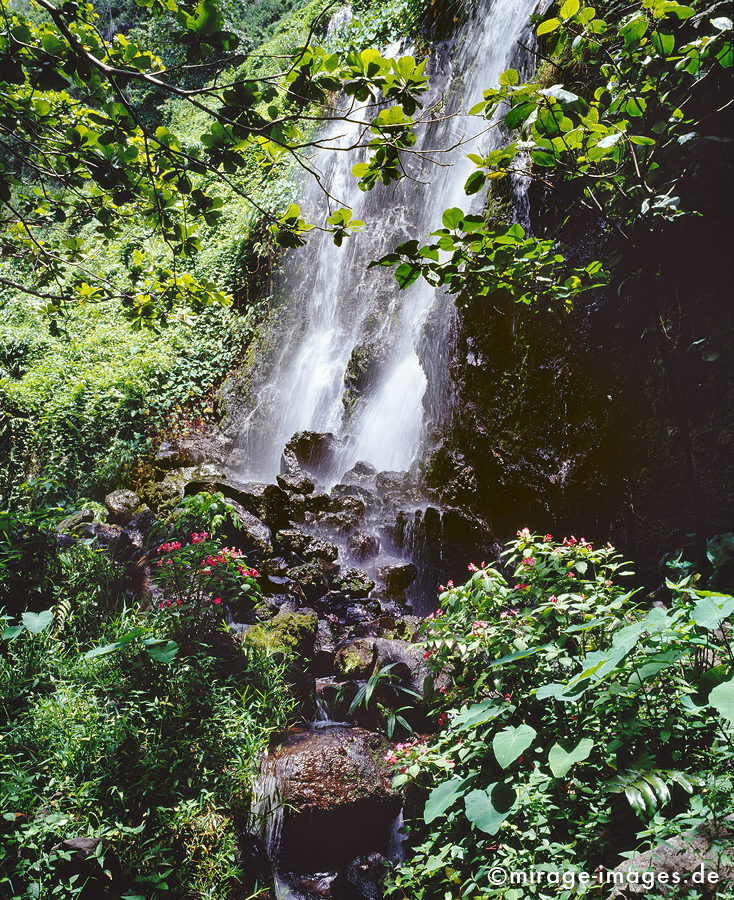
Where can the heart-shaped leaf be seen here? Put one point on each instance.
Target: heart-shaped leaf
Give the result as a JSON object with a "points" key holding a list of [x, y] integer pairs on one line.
{"points": [[512, 742], [487, 810], [722, 699], [35, 623], [441, 798], [560, 760]]}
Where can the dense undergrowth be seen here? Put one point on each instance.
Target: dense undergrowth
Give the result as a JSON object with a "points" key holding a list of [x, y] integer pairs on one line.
{"points": [[579, 724], [134, 729]]}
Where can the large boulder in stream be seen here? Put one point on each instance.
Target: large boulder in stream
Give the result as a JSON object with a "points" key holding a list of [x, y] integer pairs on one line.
{"points": [[332, 792], [309, 452]]}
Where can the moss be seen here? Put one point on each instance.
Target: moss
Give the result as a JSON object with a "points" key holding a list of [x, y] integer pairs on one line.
{"points": [[288, 633]]}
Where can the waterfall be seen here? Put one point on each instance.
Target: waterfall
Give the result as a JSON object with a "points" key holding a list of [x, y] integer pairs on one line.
{"points": [[352, 354]]}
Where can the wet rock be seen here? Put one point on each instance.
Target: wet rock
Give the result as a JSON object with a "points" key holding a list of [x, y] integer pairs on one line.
{"points": [[336, 793], [192, 450], [292, 478], [251, 533], [324, 648], [354, 582], [142, 521], [361, 474], [397, 578], [307, 546], [311, 451], [122, 505], [342, 491], [83, 868], [266, 502], [310, 579], [358, 618], [356, 659], [363, 546], [317, 502], [361, 880], [703, 850], [393, 483], [407, 661], [289, 632], [275, 584]]}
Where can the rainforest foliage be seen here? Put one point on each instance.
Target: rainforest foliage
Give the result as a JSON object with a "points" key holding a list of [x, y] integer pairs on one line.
{"points": [[152, 159]]}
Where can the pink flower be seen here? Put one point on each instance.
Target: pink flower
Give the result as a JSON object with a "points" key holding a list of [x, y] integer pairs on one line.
{"points": [[521, 587], [508, 697], [217, 601], [570, 575], [199, 538], [570, 542], [524, 532], [529, 561], [426, 654], [472, 567], [553, 599], [548, 537]]}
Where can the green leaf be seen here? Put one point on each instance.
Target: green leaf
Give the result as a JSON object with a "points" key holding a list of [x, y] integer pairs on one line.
{"points": [[569, 9], [560, 760], [721, 699], [452, 217], [511, 742], [441, 798], [35, 623], [12, 631], [548, 26], [102, 651], [474, 183], [710, 612], [164, 654], [487, 810], [475, 715]]}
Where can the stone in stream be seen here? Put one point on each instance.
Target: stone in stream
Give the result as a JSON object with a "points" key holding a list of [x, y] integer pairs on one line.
{"points": [[311, 579], [361, 880], [325, 797], [122, 505], [356, 659], [396, 578], [308, 547], [354, 582], [363, 546], [362, 474]]}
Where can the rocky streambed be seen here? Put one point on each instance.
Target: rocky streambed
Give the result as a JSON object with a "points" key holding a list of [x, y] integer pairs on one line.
{"points": [[339, 570]]}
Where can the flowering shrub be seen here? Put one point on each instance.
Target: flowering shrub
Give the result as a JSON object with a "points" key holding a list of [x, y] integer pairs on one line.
{"points": [[201, 574], [575, 718]]}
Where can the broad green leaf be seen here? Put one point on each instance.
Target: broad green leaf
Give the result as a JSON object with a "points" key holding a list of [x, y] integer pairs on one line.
{"points": [[560, 760], [569, 9], [102, 651], [722, 699], [452, 217], [711, 611], [487, 810], [35, 623], [441, 798], [548, 26], [12, 631], [511, 742], [476, 714], [165, 654]]}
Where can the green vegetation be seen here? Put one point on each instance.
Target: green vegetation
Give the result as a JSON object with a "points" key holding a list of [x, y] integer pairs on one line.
{"points": [[133, 729], [579, 723]]}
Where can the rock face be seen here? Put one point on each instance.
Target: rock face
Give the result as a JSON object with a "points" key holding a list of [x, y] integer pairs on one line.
{"points": [[333, 795], [706, 853]]}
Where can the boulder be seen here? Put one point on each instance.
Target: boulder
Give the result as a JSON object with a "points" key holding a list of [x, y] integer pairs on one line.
{"points": [[324, 648], [251, 533], [362, 474], [393, 483], [308, 547], [75, 523], [266, 502], [397, 578], [334, 796], [192, 449], [292, 478], [311, 451], [354, 582], [342, 491], [122, 505], [363, 546], [407, 659], [311, 579], [356, 659], [706, 850]]}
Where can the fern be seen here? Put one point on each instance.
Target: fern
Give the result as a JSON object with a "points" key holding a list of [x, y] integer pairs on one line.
{"points": [[61, 611], [648, 790]]}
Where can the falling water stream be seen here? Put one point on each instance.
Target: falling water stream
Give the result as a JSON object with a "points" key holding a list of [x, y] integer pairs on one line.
{"points": [[351, 352]]}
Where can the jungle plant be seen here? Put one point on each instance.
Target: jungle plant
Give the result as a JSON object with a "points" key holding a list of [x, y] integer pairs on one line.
{"points": [[576, 716]]}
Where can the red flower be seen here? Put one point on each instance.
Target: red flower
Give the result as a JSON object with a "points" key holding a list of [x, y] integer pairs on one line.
{"points": [[548, 537], [553, 599], [217, 600]]}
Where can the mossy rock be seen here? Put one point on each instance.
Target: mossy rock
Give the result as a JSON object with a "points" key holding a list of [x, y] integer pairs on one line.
{"points": [[288, 633]]}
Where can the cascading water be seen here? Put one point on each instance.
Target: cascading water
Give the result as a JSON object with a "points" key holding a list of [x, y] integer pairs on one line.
{"points": [[353, 354]]}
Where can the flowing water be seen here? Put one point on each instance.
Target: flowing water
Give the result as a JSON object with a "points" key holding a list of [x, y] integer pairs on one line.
{"points": [[354, 355]]}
